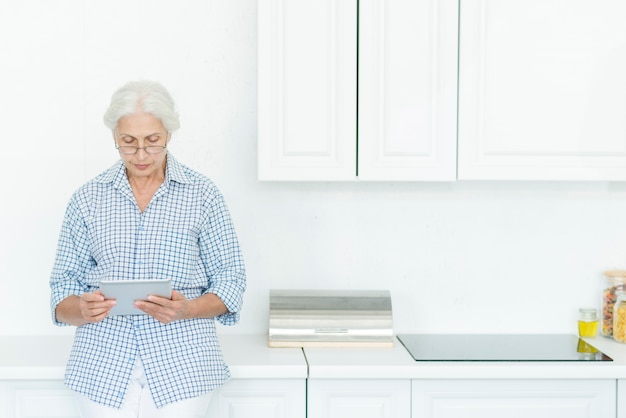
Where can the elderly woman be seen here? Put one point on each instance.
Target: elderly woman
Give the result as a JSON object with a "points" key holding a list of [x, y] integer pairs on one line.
{"points": [[147, 217]]}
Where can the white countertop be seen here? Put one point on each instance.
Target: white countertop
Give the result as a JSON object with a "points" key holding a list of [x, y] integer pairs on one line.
{"points": [[397, 363], [249, 357], [44, 357]]}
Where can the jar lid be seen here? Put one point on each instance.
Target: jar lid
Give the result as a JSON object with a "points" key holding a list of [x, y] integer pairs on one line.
{"points": [[615, 277], [588, 313], [617, 273]]}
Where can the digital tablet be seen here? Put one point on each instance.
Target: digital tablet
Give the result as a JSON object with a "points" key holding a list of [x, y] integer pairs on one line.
{"points": [[126, 292]]}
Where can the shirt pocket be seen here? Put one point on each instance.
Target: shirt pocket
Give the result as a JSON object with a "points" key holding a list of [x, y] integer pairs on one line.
{"points": [[104, 246], [178, 258]]}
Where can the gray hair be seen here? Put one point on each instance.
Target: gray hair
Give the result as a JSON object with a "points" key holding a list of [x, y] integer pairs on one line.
{"points": [[147, 96]]}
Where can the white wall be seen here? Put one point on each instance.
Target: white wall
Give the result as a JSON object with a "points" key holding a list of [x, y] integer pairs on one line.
{"points": [[457, 257]]}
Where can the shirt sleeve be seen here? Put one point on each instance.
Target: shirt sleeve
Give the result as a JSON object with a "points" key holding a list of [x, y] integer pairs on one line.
{"points": [[71, 261], [223, 261]]}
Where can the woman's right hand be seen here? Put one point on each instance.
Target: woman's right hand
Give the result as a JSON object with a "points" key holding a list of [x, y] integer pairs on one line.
{"points": [[93, 307], [84, 309]]}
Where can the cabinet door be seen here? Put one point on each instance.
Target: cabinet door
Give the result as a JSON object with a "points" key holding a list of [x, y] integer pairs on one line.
{"points": [[407, 89], [307, 89], [33, 399], [621, 398], [330, 398], [514, 398], [260, 398], [541, 90]]}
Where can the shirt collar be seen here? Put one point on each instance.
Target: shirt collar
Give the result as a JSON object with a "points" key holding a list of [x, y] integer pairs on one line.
{"points": [[175, 171]]}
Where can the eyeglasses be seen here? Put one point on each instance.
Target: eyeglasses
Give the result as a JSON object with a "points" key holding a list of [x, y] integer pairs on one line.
{"points": [[131, 149]]}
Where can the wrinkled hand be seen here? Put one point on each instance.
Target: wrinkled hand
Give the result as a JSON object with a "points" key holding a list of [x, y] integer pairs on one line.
{"points": [[93, 307], [165, 310]]}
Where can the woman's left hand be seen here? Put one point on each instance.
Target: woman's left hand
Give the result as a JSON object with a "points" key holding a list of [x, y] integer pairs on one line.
{"points": [[166, 310]]}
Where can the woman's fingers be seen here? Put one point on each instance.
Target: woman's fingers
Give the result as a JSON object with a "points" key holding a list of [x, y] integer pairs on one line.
{"points": [[93, 306]]}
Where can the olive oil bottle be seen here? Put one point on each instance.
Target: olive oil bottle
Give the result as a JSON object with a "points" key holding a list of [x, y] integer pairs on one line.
{"points": [[588, 322]]}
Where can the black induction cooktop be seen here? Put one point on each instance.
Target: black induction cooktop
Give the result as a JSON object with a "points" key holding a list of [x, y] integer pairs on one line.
{"points": [[500, 347]]}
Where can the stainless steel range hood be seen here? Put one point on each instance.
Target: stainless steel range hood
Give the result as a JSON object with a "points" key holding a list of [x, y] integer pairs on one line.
{"points": [[330, 318]]}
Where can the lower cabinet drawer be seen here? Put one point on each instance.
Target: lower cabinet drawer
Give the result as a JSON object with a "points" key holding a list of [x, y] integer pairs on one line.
{"points": [[355, 398], [260, 398], [541, 398], [36, 399]]}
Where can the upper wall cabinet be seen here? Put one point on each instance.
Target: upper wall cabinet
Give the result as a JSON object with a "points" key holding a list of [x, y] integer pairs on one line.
{"points": [[407, 89], [307, 63], [542, 90], [405, 77]]}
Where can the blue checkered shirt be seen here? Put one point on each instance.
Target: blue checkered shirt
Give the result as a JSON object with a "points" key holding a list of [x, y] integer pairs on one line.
{"points": [[185, 234]]}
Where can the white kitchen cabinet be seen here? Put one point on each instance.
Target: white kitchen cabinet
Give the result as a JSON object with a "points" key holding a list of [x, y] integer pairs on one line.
{"points": [[260, 398], [307, 62], [541, 90], [358, 398], [307, 89], [486, 398], [621, 398], [36, 399], [407, 89], [238, 398]]}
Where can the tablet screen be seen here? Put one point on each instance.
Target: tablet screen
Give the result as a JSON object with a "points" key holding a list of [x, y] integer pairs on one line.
{"points": [[126, 292]]}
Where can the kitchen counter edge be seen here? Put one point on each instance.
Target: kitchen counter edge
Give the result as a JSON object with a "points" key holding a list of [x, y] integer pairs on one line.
{"points": [[249, 357]]}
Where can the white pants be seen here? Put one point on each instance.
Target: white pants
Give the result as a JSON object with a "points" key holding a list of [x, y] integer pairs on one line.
{"points": [[138, 403]]}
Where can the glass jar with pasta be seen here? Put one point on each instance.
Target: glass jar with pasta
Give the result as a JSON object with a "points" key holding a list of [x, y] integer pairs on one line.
{"points": [[614, 282], [619, 318]]}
